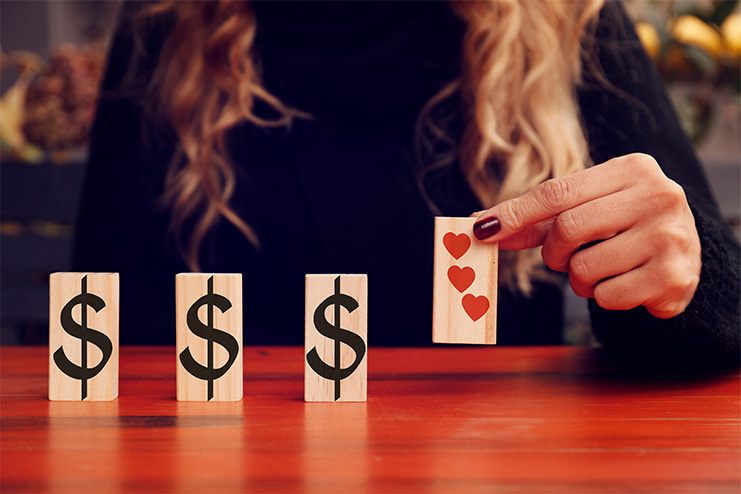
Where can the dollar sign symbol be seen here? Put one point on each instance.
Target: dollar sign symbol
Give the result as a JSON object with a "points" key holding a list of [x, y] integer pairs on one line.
{"points": [[85, 335], [339, 335], [211, 335]]}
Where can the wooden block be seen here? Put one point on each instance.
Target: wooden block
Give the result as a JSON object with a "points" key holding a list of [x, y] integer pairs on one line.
{"points": [[209, 336], [336, 366], [83, 336], [465, 285]]}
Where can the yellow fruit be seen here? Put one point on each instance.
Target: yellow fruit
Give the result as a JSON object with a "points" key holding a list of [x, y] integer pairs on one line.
{"points": [[649, 38], [690, 30], [11, 111], [13, 102], [731, 31]]}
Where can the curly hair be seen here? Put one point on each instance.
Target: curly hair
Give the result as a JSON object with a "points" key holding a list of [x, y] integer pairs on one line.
{"points": [[530, 51]]}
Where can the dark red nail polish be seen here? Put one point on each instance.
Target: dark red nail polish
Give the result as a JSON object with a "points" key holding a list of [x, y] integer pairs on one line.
{"points": [[486, 228]]}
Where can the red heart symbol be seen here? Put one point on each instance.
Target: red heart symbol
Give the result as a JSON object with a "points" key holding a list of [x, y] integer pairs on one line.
{"points": [[461, 278], [475, 307], [457, 245]]}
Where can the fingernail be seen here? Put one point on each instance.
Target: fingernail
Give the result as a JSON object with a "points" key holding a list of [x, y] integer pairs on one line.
{"points": [[486, 228]]}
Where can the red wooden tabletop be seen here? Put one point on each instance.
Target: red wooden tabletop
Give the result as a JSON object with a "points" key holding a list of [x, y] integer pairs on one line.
{"points": [[468, 419]]}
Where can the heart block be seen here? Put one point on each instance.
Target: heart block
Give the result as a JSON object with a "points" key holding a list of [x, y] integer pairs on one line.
{"points": [[461, 278], [475, 307], [457, 245]]}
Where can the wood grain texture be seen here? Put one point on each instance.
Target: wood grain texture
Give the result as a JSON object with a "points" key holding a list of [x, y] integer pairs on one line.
{"points": [[190, 288], [101, 314], [318, 289], [465, 285], [440, 420]]}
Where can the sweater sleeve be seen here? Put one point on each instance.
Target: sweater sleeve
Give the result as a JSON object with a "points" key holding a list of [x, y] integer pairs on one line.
{"points": [[119, 226], [626, 110]]}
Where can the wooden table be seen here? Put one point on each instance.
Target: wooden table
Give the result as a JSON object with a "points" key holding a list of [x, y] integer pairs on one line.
{"points": [[482, 419]]}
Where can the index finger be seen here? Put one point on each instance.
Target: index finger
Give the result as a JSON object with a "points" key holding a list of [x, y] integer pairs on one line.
{"points": [[547, 200]]}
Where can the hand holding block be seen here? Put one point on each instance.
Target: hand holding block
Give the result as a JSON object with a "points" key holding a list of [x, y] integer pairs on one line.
{"points": [[83, 336], [336, 334], [465, 285], [209, 336]]}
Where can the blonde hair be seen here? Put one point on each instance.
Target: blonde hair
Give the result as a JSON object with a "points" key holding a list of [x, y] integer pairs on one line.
{"points": [[521, 67]]}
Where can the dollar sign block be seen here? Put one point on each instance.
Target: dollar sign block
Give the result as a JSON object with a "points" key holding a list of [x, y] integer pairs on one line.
{"points": [[83, 336], [336, 335], [209, 337]]}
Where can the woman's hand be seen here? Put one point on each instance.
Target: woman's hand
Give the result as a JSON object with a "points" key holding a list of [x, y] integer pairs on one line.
{"points": [[622, 231]]}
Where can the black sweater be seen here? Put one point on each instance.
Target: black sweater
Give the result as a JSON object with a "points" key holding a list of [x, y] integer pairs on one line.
{"points": [[340, 193]]}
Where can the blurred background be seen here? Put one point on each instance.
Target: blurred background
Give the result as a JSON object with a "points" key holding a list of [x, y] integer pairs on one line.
{"points": [[53, 57]]}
